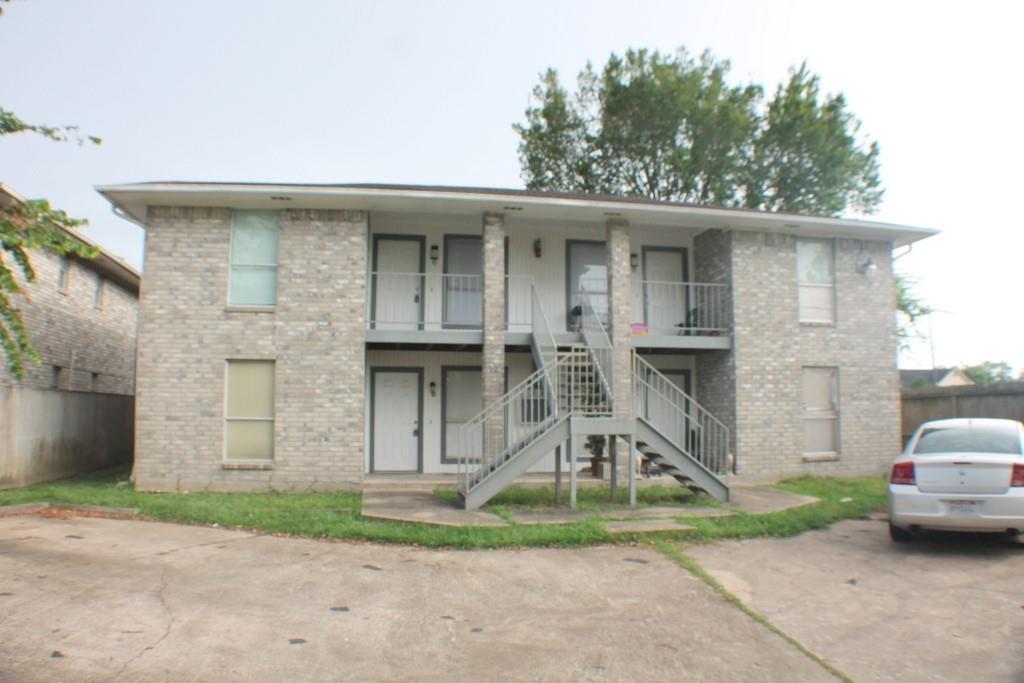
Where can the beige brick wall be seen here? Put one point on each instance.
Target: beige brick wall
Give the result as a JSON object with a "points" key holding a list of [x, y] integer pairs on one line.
{"points": [[716, 371], [69, 331], [315, 335], [771, 348]]}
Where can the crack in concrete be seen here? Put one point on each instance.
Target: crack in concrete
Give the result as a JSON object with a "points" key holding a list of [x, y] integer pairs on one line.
{"points": [[203, 545], [167, 630]]}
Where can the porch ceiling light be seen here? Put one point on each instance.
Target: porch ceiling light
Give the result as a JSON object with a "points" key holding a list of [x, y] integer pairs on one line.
{"points": [[433, 253]]}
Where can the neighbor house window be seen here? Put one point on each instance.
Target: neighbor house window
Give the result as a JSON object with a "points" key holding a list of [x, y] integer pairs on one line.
{"points": [[64, 270], [94, 380], [821, 410], [254, 258], [98, 294], [55, 377], [249, 413], [815, 269]]}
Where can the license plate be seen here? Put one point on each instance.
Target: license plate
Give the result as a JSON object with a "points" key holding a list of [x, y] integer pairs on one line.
{"points": [[963, 507]]}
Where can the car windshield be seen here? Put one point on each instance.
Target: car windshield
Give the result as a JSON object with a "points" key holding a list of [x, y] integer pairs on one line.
{"points": [[975, 438]]}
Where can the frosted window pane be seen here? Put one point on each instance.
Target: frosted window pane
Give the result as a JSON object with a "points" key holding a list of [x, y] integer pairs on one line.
{"points": [[250, 440], [814, 261], [253, 286], [463, 394], [818, 389], [816, 303], [820, 436], [250, 389], [254, 239]]}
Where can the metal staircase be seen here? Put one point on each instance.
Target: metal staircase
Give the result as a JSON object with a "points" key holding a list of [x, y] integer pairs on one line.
{"points": [[676, 435], [570, 393]]}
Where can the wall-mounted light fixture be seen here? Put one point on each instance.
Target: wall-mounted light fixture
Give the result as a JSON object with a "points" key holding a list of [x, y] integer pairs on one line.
{"points": [[867, 266], [433, 389], [433, 253], [634, 261], [538, 248]]}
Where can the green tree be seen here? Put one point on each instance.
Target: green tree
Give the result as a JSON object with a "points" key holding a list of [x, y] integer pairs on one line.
{"points": [[671, 127], [989, 372], [25, 226], [910, 309]]}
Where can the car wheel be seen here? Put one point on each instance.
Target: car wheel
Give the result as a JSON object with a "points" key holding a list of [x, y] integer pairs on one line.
{"points": [[899, 535]]}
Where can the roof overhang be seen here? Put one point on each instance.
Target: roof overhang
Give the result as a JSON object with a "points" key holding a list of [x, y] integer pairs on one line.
{"points": [[105, 263], [132, 199]]}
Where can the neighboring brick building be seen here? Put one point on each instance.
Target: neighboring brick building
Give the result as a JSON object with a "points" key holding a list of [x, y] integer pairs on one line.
{"points": [[80, 315], [297, 337]]}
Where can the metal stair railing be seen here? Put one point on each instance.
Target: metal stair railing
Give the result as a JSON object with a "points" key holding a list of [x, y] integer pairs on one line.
{"points": [[599, 345], [680, 418], [542, 340], [568, 387]]}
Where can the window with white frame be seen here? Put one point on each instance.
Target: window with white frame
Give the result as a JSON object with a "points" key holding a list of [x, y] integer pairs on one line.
{"points": [[63, 272], [254, 237], [249, 410], [97, 300], [821, 411], [815, 267]]}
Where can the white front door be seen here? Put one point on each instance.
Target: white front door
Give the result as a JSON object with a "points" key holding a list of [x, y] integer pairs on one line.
{"points": [[396, 420], [664, 294], [588, 278], [398, 284]]}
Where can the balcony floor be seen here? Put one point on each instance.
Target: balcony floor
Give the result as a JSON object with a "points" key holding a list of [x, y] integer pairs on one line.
{"points": [[472, 340]]}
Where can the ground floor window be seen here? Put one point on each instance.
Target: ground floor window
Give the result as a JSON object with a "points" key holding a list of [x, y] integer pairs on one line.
{"points": [[249, 410], [821, 410]]}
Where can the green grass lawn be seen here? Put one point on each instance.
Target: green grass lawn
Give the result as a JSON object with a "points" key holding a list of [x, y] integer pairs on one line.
{"points": [[337, 515]]}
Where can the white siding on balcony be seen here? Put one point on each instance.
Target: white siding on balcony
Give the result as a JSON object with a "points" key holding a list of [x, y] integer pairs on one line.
{"points": [[548, 271]]}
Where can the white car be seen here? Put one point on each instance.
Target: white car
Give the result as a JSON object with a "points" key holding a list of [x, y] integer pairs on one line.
{"points": [[965, 474]]}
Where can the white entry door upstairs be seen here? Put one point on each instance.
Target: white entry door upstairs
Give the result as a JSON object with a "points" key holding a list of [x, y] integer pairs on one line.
{"points": [[398, 284], [664, 293], [396, 421]]}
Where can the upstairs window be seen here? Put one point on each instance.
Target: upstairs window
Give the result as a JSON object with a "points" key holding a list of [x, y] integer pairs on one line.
{"points": [[98, 294], [63, 272], [815, 267], [254, 236]]}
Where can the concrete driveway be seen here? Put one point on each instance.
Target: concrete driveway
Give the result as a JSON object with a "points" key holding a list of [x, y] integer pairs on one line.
{"points": [[947, 607], [88, 599]]}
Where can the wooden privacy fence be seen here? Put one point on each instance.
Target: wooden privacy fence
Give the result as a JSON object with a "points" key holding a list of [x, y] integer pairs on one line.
{"points": [[1005, 399]]}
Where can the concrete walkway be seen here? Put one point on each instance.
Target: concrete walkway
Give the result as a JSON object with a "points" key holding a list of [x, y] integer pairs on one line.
{"points": [[89, 599], [416, 505]]}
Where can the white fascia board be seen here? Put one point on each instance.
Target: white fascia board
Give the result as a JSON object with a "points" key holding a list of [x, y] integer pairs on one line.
{"points": [[133, 199]]}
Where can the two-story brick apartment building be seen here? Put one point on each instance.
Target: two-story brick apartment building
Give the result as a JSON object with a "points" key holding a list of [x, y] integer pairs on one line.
{"points": [[309, 336], [73, 410]]}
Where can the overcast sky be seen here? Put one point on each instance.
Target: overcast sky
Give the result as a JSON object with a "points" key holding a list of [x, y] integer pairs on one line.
{"points": [[426, 92]]}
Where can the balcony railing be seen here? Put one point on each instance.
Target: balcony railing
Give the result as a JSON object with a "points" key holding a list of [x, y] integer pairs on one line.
{"points": [[685, 308], [436, 301], [418, 301]]}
